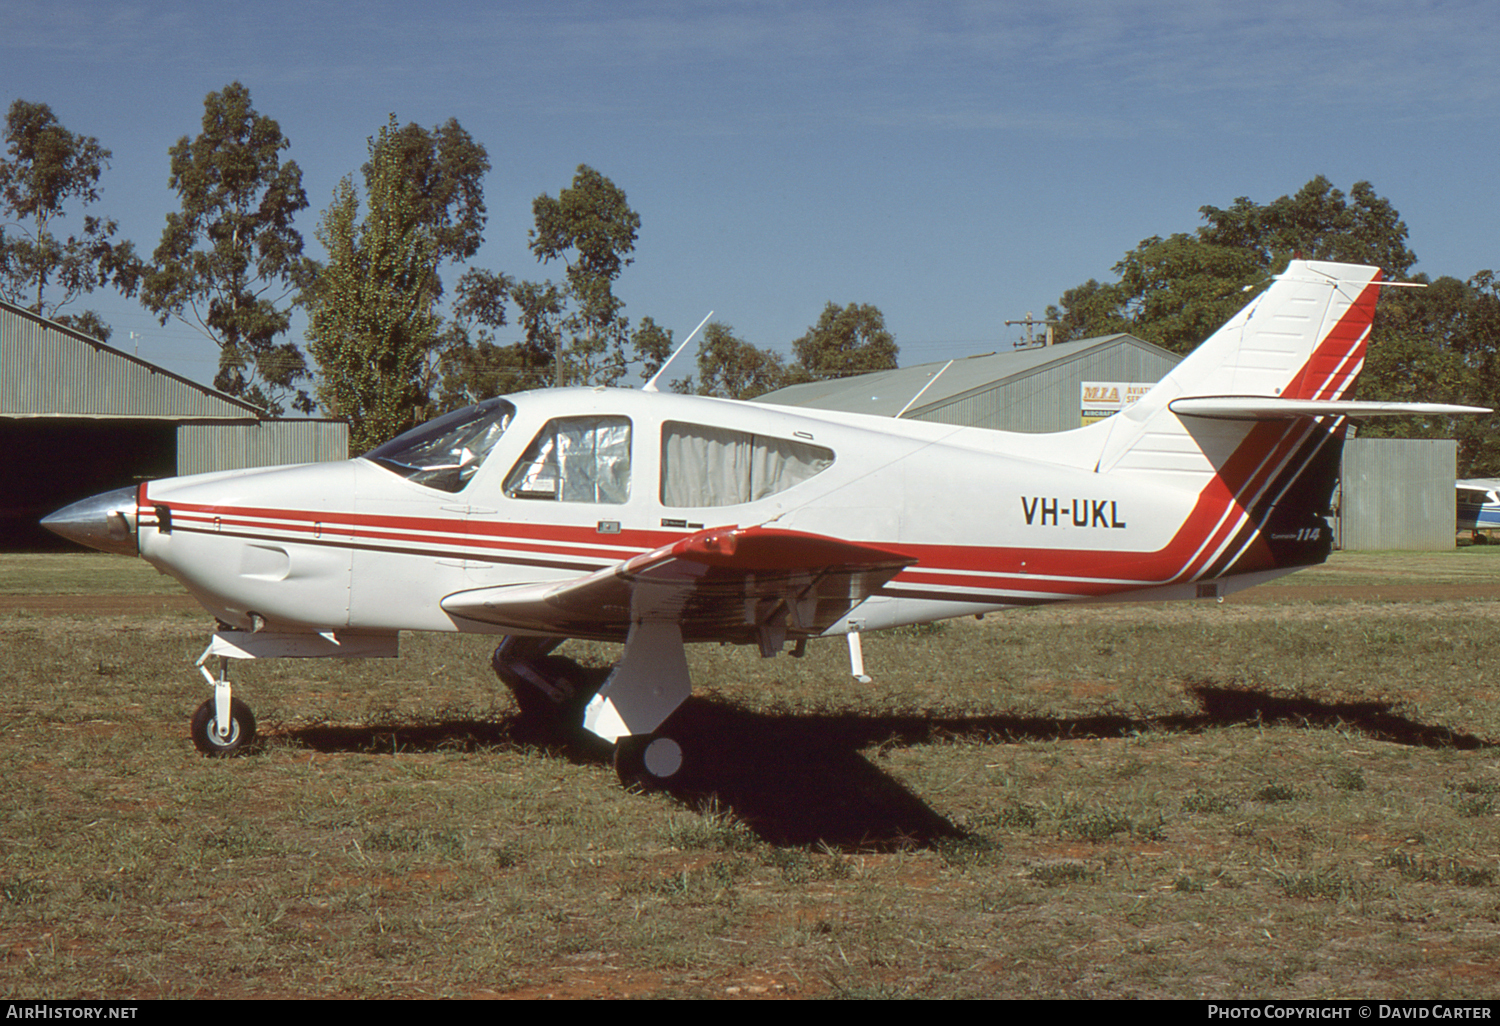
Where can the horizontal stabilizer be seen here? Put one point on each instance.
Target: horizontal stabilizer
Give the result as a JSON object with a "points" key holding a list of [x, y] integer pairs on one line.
{"points": [[1252, 407]]}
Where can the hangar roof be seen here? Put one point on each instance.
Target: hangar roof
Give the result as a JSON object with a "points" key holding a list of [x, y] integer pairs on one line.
{"points": [[50, 370], [908, 391]]}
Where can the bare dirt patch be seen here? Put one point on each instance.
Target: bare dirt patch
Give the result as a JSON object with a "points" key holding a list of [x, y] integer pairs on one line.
{"points": [[99, 605]]}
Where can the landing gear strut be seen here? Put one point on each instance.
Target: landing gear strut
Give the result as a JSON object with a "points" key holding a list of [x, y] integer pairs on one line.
{"points": [[550, 690], [624, 709], [223, 725]]}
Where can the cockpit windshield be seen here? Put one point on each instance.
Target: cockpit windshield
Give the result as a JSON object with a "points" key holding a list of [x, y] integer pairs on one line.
{"points": [[444, 453]]}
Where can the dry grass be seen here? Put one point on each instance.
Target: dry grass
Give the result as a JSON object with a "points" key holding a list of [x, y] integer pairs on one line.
{"points": [[1290, 800]]}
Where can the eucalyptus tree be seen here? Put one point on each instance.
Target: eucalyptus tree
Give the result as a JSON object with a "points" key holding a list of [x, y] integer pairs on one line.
{"points": [[229, 261], [1175, 290], [46, 171], [846, 340], [731, 368]]}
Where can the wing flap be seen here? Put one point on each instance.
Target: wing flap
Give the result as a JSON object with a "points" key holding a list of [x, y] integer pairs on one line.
{"points": [[721, 583]]}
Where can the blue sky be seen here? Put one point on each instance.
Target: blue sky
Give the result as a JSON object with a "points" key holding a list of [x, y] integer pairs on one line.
{"points": [[955, 164]]}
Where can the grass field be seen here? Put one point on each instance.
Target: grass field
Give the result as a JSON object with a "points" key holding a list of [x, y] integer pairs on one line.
{"points": [[1295, 797]]}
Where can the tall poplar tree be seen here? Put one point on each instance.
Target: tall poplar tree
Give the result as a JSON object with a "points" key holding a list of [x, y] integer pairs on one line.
{"points": [[372, 322]]}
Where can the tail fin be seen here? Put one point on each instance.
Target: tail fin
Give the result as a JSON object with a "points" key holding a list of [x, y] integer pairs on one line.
{"points": [[1265, 463], [1253, 422], [1303, 338]]}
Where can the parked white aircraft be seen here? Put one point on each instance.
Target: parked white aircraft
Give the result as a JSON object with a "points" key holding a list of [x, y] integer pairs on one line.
{"points": [[656, 519], [1478, 503]]}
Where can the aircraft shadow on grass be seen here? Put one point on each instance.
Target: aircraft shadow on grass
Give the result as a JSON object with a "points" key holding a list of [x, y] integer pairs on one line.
{"points": [[802, 779]]}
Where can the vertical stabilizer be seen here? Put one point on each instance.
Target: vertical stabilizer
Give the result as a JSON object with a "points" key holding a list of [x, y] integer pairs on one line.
{"points": [[1303, 338], [1263, 485]]}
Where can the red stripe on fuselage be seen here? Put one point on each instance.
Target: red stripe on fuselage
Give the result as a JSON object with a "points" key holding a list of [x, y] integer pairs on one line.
{"points": [[1345, 339], [486, 535]]}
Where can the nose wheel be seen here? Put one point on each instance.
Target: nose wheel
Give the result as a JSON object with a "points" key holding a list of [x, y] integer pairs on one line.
{"points": [[223, 725], [209, 740]]}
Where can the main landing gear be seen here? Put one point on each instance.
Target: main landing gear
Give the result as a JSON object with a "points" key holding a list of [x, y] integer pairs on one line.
{"points": [[648, 761], [556, 695], [551, 691]]}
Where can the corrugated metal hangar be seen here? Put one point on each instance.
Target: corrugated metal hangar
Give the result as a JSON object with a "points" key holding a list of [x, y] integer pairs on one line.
{"points": [[1045, 388], [78, 417], [1395, 493]]}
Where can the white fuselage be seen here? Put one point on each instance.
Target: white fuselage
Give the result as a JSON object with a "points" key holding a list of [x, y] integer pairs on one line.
{"points": [[993, 519]]}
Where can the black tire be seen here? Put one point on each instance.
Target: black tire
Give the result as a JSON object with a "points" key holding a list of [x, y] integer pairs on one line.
{"points": [[241, 729], [648, 761]]}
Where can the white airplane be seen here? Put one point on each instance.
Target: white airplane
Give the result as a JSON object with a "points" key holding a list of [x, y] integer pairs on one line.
{"points": [[656, 520], [1478, 502]]}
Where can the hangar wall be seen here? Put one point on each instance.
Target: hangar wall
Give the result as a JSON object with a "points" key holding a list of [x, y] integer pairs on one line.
{"points": [[202, 448], [1047, 398], [79, 417], [1397, 493]]}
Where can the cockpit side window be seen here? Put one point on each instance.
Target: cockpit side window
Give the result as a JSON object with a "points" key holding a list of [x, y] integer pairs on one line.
{"points": [[575, 459], [712, 466], [445, 453]]}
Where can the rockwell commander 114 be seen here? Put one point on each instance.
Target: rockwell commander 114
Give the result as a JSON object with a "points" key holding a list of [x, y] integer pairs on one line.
{"points": [[655, 520]]}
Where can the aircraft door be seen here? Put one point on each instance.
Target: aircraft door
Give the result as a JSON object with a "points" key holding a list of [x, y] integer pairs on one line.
{"points": [[560, 508]]}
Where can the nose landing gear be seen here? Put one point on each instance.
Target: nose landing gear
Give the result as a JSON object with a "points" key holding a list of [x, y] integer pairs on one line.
{"points": [[223, 725], [207, 737]]}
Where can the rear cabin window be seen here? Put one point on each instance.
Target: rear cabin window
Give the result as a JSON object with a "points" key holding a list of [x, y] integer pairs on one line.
{"points": [[711, 466], [575, 459]]}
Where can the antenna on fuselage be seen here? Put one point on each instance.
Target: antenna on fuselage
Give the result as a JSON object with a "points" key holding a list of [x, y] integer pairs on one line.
{"points": [[651, 385]]}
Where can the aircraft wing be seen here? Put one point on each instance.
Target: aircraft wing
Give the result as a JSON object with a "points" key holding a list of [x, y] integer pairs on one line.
{"points": [[732, 584]]}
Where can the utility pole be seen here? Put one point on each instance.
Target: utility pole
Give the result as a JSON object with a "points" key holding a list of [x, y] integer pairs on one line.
{"points": [[1031, 323]]}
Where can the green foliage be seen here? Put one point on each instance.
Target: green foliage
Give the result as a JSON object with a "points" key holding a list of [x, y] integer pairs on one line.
{"points": [[652, 345], [444, 170], [1437, 344], [1318, 223], [372, 322], [46, 169], [541, 309], [731, 368], [1176, 291], [1180, 289], [472, 366], [592, 229], [230, 257], [1440, 344], [846, 341]]}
